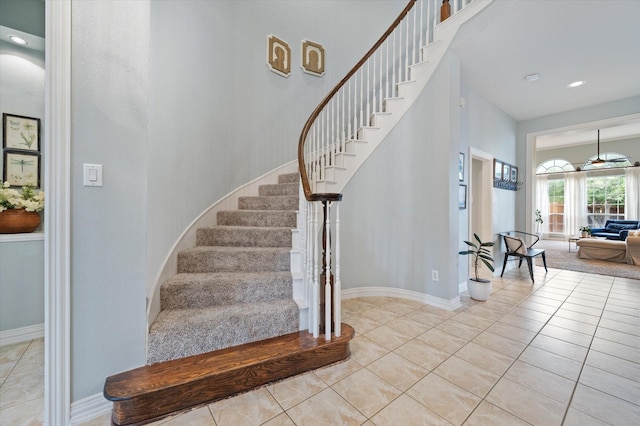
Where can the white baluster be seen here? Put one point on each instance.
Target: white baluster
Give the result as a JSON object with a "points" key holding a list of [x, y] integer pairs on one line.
{"points": [[337, 289], [327, 288], [386, 69], [316, 287], [406, 49], [373, 84], [309, 264], [368, 117], [420, 29], [349, 134], [381, 87], [393, 64], [415, 35], [361, 98]]}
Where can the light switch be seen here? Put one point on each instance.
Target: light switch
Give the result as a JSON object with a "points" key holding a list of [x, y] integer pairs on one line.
{"points": [[92, 175]]}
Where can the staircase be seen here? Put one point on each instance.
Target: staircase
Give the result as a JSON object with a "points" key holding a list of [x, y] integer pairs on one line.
{"points": [[235, 286]]}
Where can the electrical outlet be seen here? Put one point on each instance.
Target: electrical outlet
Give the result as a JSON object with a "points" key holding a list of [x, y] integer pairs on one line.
{"points": [[435, 275]]}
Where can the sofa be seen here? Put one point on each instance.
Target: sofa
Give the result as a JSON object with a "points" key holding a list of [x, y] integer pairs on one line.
{"points": [[633, 248], [616, 229], [627, 251]]}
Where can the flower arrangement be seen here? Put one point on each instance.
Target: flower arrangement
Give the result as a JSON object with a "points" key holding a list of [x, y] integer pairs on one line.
{"points": [[28, 199]]}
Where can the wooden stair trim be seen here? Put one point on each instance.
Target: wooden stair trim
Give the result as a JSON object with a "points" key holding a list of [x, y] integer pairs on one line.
{"points": [[154, 391]]}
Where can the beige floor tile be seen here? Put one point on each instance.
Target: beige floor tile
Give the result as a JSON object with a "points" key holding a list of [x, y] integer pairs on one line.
{"points": [[422, 354], [366, 392], [620, 387], [608, 334], [360, 324], [406, 411], [578, 418], [627, 319], [364, 351], [581, 309], [105, 420], [20, 388], [387, 337], [484, 312], [526, 404], [586, 302], [557, 364], [398, 306], [623, 310], [251, 408], [489, 414], [513, 333], [633, 329], [30, 413], [427, 318], [280, 420], [615, 365], [444, 398], [325, 408], [380, 315], [294, 390], [547, 301], [542, 381], [626, 302], [397, 371], [201, 416], [573, 325], [577, 316], [521, 322], [560, 347], [538, 307], [468, 376], [567, 335], [485, 358], [474, 320], [408, 326], [616, 349], [441, 340], [500, 344], [459, 329], [605, 407], [337, 372]]}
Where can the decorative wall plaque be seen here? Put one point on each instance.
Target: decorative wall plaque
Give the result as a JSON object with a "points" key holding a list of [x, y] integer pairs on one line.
{"points": [[278, 56], [312, 58]]}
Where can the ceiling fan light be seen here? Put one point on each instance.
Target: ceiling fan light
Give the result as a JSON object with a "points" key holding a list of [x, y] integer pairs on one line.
{"points": [[598, 161]]}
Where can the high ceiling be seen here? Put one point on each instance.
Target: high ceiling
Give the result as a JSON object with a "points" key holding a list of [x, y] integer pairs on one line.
{"points": [[597, 41]]}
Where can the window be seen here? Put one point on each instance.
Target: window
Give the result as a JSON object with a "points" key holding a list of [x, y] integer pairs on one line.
{"points": [[554, 166], [605, 199], [556, 206]]}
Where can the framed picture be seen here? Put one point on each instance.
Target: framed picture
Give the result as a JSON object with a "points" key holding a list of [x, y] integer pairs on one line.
{"points": [[506, 171], [514, 174], [278, 56], [462, 196], [312, 58], [21, 168], [461, 167], [497, 169], [19, 132]]}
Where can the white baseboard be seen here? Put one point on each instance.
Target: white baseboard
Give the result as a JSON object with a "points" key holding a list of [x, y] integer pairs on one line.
{"points": [[89, 408], [438, 302], [462, 287], [23, 334]]}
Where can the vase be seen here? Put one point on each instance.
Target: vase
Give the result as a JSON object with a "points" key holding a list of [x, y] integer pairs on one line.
{"points": [[479, 289], [15, 221]]}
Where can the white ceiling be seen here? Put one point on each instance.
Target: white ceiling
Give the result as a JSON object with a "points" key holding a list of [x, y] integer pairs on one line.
{"points": [[597, 41]]}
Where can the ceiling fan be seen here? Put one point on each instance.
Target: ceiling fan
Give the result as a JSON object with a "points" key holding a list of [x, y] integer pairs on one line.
{"points": [[599, 160]]}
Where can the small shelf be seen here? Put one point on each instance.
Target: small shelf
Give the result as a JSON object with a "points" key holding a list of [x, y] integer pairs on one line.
{"points": [[15, 238]]}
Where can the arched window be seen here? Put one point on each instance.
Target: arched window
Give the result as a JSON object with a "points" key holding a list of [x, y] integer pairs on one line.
{"points": [[611, 160], [554, 166]]}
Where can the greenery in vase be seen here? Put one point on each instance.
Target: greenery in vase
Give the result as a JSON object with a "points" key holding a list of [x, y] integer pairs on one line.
{"points": [[585, 229], [480, 253], [28, 198]]}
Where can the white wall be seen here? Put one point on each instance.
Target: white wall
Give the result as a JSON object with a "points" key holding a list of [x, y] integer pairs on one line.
{"points": [[109, 111], [218, 118]]}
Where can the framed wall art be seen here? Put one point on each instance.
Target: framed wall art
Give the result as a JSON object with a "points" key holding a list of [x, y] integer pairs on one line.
{"points": [[312, 58], [278, 56], [497, 169], [514, 174], [21, 168], [462, 196], [461, 167], [506, 171], [20, 132]]}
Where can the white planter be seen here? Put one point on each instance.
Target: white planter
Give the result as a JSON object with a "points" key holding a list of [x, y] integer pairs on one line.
{"points": [[479, 290]]}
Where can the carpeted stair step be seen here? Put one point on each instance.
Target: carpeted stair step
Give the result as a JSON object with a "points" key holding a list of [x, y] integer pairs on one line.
{"points": [[281, 202], [215, 289], [243, 236], [289, 178], [233, 259], [276, 218], [279, 189], [184, 332]]}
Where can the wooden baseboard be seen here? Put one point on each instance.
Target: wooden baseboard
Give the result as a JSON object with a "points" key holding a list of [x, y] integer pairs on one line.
{"points": [[152, 392]]}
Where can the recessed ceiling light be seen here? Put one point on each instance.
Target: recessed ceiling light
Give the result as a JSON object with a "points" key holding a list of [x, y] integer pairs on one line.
{"points": [[532, 77], [576, 83], [18, 40]]}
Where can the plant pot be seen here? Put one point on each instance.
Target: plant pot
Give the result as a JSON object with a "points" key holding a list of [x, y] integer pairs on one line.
{"points": [[15, 221], [585, 234], [479, 289]]}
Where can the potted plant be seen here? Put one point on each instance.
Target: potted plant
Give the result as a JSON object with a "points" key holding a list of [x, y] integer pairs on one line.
{"points": [[586, 231], [539, 221], [19, 210], [479, 288]]}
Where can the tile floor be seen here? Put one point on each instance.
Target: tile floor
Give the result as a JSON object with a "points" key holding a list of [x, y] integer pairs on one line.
{"points": [[563, 351]]}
